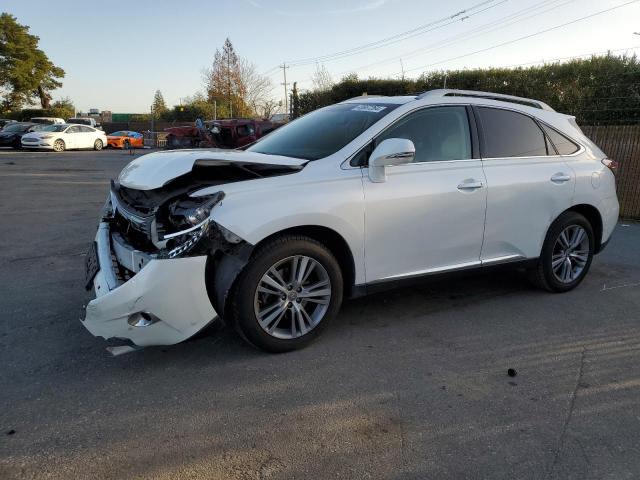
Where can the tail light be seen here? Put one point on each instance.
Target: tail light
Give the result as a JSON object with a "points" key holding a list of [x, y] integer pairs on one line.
{"points": [[610, 164]]}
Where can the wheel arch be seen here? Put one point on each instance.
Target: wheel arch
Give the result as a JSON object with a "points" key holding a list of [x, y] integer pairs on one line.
{"points": [[592, 214], [223, 270], [336, 244]]}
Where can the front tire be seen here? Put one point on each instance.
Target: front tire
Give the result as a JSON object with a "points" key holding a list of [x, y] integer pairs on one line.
{"points": [[59, 145], [97, 145], [566, 254], [287, 294]]}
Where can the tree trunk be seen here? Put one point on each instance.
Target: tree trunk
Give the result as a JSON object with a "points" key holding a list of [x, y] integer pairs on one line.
{"points": [[45, 98]]}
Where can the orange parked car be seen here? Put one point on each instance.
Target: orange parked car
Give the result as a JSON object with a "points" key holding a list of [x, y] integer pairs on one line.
{"points": [[125, 139]]}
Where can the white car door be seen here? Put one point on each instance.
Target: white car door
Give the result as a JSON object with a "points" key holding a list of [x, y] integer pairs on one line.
{"points": [[72, 137], [428, 216], [89, 136], [529, 184]]}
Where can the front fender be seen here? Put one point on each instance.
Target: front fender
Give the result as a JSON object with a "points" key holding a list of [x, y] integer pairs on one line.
{"points": [[338, 205]]}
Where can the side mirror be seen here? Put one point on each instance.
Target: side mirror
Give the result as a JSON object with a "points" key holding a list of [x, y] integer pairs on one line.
{"points": [[390, 152]]}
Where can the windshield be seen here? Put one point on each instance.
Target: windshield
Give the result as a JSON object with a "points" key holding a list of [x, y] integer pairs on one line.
{"points": [[323, 132], [55, 128], [15, 127]]}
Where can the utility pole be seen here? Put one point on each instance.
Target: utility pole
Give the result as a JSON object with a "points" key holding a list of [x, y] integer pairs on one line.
{"points": [[229, 79], [402, 70], [286, 96]]}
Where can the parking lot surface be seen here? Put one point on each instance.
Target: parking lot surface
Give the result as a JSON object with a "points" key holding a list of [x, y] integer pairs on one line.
{"points": [[408, 384]]}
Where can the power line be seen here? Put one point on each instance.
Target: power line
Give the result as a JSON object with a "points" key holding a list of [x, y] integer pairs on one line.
{"points": [[551, 60], [524, 37], [420, 30], [467, 35]]}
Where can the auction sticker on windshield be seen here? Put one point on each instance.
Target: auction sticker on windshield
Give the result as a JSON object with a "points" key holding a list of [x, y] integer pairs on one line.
{"points": [[369, 108]]}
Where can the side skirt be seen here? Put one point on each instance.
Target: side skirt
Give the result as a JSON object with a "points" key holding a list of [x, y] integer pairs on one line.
{"points": [[397, 283]]}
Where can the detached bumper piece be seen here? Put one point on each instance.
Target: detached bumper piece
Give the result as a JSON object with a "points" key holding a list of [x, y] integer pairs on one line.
{"points": [[157, 302]]}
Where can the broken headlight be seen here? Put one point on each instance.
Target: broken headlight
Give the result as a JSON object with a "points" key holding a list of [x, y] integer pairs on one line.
{"points": [[191, 211], [191, 216]]}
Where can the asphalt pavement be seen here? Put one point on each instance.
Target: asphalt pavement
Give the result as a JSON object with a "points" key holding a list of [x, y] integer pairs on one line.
{"points": [[408, 384]]}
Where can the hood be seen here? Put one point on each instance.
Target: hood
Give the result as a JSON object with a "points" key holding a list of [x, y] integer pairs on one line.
{"points": [[157, 169]]}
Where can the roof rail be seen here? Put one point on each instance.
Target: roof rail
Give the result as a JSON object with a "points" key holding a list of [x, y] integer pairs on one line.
{"points": [[486, 95]]}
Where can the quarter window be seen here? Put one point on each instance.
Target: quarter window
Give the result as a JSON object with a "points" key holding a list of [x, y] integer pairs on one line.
{"points": [[510, 134], [438, 133], [563, 145]]}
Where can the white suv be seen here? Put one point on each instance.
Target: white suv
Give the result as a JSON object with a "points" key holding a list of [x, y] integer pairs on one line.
{"points": [[341, 202]]}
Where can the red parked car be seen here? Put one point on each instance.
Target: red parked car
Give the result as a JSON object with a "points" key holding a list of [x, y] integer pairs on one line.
{"points": [[230, 133]]}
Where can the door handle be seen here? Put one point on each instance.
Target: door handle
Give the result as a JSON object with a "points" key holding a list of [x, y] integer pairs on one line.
{"points": [[470, 185], [560, 178]]}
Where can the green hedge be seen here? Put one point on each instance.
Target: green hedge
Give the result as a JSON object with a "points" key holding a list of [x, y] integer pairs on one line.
{"points": [[599, 90]]}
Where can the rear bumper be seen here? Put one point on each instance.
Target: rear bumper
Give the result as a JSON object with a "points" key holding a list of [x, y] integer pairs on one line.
{"points": [[170, 292], [610, 211]]}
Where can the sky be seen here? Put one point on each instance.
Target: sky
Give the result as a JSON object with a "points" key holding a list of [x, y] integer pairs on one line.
{"points": [[115, 57]]}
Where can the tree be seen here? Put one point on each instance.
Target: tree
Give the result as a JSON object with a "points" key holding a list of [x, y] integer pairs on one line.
{"points": [[159, 107], [192, 108], [257, 90], [321, 78], [269, 107], [295, 102], [26, 73], [223, 81]]}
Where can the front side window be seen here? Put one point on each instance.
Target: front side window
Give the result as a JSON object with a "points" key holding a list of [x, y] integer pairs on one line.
{"points": [[323, 132], [54, 128], [510, 134], [438, 133], [563, 145], [75, 129]]}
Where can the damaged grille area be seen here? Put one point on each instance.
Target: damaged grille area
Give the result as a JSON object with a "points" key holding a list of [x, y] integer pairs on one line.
{"points": [[143, 217]]}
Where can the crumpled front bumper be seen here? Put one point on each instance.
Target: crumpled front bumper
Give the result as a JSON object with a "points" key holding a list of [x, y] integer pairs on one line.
{"points": [[171, 292]]}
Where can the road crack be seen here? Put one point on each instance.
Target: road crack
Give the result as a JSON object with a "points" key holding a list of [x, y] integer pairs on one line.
{"points": [[567, 421]]}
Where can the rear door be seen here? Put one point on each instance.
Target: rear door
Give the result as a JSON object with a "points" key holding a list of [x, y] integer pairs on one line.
{"points": [[88, 136], [529, 185], [428, 216]]}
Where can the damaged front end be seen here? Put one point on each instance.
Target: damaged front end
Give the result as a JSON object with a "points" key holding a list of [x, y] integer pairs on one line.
{"points": [[164, 266]]}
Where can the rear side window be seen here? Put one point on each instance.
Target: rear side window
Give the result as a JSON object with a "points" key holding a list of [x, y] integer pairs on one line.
{"points": [[87, 129], [438, 133], [563, 145], [510, 134]]}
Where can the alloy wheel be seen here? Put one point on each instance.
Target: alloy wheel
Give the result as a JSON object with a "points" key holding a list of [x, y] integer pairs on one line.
{"points": [[570, 253], [58, 146], [292, 297]]}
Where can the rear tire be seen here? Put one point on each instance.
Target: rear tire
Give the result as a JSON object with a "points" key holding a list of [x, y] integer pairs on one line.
{"points": [[97, 145], [304, 295], [59, 145], [566, 254]]}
